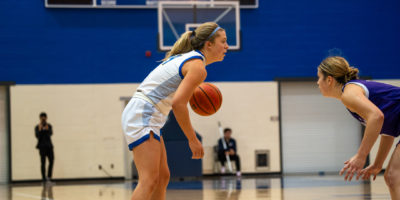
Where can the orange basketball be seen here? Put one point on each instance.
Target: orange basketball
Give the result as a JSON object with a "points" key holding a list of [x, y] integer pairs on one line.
{"points": [[206, 99]]}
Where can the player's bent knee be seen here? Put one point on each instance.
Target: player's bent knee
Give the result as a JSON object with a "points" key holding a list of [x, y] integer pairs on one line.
{"points": [[391, 179], [150, 183], [164, 177]]}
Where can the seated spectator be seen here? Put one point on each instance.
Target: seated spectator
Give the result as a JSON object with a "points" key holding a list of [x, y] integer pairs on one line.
{"points": [[231, 151]]}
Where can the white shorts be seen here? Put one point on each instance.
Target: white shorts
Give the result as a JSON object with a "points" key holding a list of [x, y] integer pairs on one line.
{"points": [[138, 119]]}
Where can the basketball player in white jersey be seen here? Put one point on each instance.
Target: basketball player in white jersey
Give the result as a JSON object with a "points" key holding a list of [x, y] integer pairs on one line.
{"points": [[169, 86]]}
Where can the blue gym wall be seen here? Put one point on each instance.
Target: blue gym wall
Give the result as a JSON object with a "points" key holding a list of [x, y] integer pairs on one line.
{"points": [[282, 38]]}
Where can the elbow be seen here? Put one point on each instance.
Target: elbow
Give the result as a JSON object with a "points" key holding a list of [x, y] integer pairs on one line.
{"points": [[177, 106], [174, 105]]}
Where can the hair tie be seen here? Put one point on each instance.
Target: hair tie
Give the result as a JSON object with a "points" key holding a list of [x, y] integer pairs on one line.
{"points": [[346, 78]]}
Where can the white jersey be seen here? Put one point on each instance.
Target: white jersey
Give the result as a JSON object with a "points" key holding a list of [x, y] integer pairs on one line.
{"points": [[160, 85], [147, 111]]}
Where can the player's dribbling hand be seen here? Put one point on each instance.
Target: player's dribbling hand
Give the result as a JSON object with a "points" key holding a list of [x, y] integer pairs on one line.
{"points": [[368, 171], [197, 149], [353, 166]]}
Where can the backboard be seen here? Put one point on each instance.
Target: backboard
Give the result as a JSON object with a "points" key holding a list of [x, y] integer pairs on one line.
{"points": [[177, 17], [131, 4]]}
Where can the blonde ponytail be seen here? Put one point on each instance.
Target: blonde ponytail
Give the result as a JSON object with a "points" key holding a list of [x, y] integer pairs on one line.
{"points": [[194, 40], [338, 68], [182, 45], [352, 74]]}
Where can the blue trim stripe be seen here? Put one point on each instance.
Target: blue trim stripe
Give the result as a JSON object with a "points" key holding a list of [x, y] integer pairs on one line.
{"points": [[199, 53], [137, 142], [157, 137], [141, 140], [180, 67]]}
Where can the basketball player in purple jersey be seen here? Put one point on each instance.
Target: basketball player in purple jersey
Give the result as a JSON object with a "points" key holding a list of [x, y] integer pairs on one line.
{"points": [[375, 105]]}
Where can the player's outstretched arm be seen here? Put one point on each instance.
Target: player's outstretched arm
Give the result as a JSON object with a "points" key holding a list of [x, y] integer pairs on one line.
{"points": [[194, 73], [354, 99]]}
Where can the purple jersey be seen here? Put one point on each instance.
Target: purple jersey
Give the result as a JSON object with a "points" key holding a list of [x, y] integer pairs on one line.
{"points": [[387, 98]]}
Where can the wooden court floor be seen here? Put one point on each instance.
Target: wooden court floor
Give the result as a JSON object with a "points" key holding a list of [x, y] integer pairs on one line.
{"points": [[216, 188]]}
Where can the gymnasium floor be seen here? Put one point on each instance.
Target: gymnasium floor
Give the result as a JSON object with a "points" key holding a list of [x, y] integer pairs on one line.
{"points": [[216, 188]]}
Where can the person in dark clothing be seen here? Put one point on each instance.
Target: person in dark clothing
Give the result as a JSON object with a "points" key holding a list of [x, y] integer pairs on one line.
{"points": [[231, 151], [43, 132]]}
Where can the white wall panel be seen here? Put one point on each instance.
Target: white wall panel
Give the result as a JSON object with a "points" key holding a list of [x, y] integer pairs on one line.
{"points": [[318, 133], [87, 127]]}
